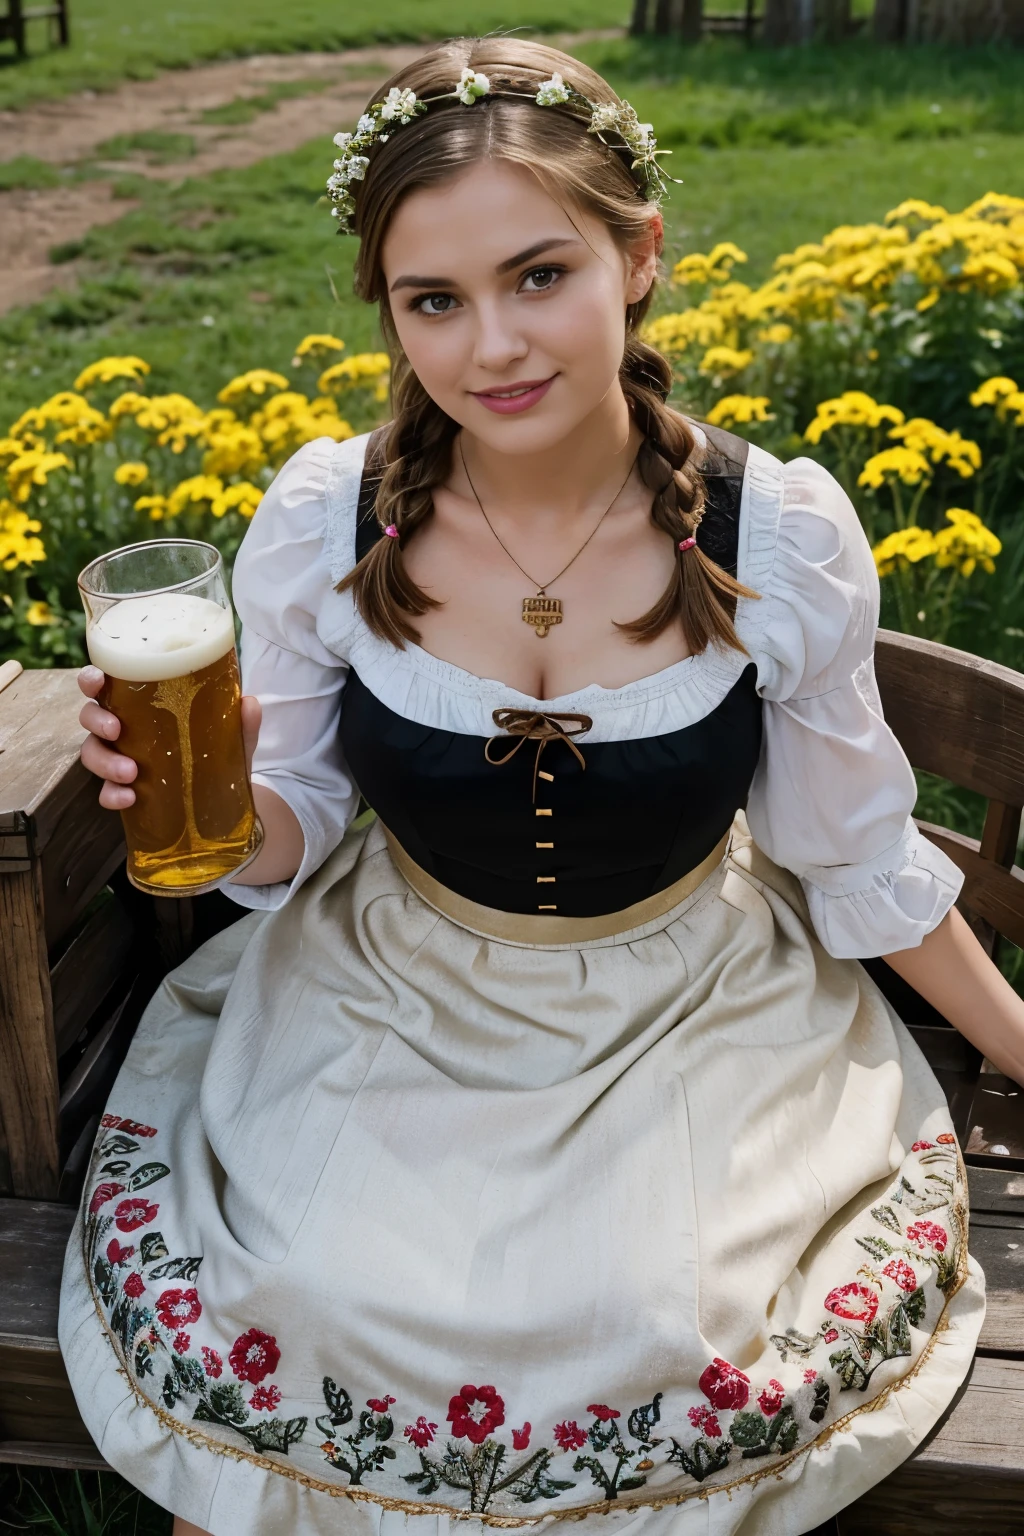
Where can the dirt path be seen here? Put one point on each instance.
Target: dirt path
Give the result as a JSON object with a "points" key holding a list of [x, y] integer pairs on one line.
{"points": [[69, 131]]}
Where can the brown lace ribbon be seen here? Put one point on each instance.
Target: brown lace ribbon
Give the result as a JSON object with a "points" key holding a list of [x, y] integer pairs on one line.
{"points": [[532, 725]]}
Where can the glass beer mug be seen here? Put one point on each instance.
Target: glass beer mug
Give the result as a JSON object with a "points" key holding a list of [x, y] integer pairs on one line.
{"points": [[159, 625]]}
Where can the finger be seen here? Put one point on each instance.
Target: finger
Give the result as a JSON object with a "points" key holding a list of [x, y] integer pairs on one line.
{"points": [[252, 718], [101, 760], [91, 680], [116, 797], [99, 721]]}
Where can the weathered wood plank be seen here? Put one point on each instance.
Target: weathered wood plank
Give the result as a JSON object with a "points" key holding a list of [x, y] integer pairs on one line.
{"points": [[28, 1062], [954, 714], [997, 1242], [33, 1239], [996, 1189], [86, 845], [994, 893], [36, 1453], [40, 739], [997, 1118], [88, 969]]}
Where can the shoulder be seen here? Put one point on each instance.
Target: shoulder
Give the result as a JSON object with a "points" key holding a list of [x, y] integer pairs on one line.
{"points": [[303, 514]]}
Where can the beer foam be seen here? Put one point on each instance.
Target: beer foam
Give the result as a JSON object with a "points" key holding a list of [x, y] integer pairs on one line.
{"points": [[147, 639]]}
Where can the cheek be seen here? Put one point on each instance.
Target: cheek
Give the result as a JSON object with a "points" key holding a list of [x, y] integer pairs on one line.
{"points": [[435, 352], [586, 330]]}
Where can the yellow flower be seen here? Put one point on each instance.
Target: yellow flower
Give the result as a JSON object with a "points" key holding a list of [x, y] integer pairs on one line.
{"points": [[131, 473], [12, 448], [928, 300], [915, 208], [715, 267], [674, 333], [127, 405], [725, 360], [232, 447], [18, 546], [190, 494], [853, 408], [904, 464], [40, 613], [243, 498], [258, 381], [990, 393], [156, 506], [967, 544], [776, 335], [924, 437], [353, 372], [739, 409], [32, 469], [903, 546], [316, 346], [109, 368]]}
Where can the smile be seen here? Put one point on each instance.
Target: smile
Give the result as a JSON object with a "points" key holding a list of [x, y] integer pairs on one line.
{"points": [[516, 398]]}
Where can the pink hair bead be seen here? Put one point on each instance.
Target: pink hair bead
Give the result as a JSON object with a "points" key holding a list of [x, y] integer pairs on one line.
{"points": [[391, 531], [685, 544]]}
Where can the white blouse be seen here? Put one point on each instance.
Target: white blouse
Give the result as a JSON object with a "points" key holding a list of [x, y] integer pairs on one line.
{"points": [[833, 793]]}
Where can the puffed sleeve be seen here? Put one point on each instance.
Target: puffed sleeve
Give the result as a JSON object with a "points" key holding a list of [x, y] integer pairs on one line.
{"points": [[833, 794], [280, 585]]}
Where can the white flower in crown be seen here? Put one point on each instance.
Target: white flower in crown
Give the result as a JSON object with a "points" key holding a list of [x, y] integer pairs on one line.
{"points": [[366, 124], [399, 104], [356, 168], [646, 134], [604, 116], [471, 86], [343, 140], [553, 92]]}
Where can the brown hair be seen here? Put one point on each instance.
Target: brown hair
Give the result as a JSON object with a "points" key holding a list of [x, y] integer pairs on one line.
{"points": [[414, 450]]}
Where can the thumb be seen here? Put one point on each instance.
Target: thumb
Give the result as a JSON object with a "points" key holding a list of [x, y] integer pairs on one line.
{"points": [[252, 716]]}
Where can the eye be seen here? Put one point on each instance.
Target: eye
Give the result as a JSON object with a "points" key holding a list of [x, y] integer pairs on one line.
{"points": [[539, 279], [434, 304]]}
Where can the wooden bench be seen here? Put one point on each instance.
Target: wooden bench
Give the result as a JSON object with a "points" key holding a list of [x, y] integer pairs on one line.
{"points": [[81, 952], [13, 25]]}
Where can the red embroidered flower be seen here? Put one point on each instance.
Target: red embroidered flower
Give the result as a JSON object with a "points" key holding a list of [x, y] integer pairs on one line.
{"points": [[569, 1436], [922, 1146], [927, 1234], [712, 1428], [475, 1412], [947, 1139], [770, 1399], [118, 1255], [177, 1308], [134, 1213], [109, 1121], [831, 1335], [697, 1414], [857, 1303], [265, 1398], [603, 1412], [254, 1355], [133, 1128], [380, 1404], [102, 1193], [521, 1437], [810, 1375], [900, 1271], [421, 1433], [724, 1386], [134, 1285], [212, 1362], [181, 1343]]}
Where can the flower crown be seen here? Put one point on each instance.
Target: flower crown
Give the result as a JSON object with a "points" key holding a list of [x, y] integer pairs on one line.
{"points": [[401, 107]]}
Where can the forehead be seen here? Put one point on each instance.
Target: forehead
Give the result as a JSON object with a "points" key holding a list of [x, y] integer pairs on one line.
{"points": [[477, 219]]}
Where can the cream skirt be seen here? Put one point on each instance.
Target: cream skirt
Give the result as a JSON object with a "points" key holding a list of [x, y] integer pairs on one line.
{"points": [[394, 1228]]}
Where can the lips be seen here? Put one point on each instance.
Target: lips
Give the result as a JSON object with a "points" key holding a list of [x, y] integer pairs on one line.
{"points": [[514, 398]]}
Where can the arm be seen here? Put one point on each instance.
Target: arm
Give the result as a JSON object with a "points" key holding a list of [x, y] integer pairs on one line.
{"points": [[952, 972]]}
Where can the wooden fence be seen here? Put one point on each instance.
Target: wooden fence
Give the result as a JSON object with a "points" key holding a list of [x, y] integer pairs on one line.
{"points": [[781, 23]]}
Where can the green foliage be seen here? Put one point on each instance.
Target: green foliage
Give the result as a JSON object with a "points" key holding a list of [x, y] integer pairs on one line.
{"points": [[35, 1499], [157, 147], [27, 174], [243, 109]]}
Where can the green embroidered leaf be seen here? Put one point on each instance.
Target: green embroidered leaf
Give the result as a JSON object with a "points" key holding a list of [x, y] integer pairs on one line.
{"points": [[794, 1343], [117, 1167], [144, 1351], [339, 1404], [227, 1401], [822, 1393], [531, 1480], [778, 1427], [878, 1248], [177, 1269], [275, 1434], [916, 1305], [149, 1173], [170, 1391], [190, 1374], [153, 1247], [118, 1143], [106, 1283], [627, 1483], [703, 1458], [888, 1218], [897, 1338], [597, 1472], [788, 1438], [642, 1421], [749, 1429], [849, 1369], [428, 1477]]}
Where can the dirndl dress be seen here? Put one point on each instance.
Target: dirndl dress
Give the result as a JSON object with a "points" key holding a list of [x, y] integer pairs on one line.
{"points": [[541, 1152]]}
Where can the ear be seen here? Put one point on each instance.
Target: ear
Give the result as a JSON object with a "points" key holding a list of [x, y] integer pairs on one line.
{"points": [[643, 261]]}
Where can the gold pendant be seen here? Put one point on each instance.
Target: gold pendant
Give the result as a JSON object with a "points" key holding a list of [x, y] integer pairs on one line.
{"points": [[541, 613]]}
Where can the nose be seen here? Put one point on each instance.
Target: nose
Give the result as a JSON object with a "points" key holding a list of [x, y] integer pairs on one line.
{"points": [[498, 340]]}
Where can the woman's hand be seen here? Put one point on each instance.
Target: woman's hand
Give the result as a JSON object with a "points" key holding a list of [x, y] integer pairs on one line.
{"points": [[117, 771]]}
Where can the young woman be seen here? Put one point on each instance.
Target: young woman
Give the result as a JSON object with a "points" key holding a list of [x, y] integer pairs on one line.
{"points": [[538, 1149]]}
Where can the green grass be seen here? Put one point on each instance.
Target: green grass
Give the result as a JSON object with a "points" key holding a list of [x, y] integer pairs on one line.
{"points": [[35, 1499], [27, 174], [157, 147], [112, 42], [244, 108]]}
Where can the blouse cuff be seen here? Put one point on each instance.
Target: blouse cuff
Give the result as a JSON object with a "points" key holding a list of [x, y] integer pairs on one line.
{"points": [[892, 902], [318, 842]]}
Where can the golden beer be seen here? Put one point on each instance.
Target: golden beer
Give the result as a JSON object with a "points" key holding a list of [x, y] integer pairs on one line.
{"points": [[172, 680]]}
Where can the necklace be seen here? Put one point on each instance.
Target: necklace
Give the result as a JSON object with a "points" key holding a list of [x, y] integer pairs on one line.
{"points": [[541, 612]]}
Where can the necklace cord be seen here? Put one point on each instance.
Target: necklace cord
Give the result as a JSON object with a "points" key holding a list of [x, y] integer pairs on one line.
{"points": [[542, 586]]}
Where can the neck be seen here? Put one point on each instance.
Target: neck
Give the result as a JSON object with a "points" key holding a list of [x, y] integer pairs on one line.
{"points": [[568, 477]]}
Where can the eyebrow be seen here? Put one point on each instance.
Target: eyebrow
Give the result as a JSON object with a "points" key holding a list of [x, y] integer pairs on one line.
{"points": [[529, 254]]}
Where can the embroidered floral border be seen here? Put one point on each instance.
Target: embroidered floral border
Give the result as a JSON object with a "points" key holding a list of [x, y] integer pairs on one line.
{"points": [[920, 1225]]}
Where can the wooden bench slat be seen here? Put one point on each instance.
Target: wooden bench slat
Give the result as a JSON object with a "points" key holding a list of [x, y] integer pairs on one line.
{"points": [[994, 893]]}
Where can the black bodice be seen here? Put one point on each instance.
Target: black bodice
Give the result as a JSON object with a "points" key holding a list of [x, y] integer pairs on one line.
{"points": [[581, 841]]}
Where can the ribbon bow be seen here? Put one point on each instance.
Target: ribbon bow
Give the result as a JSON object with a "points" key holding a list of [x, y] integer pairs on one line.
{"points": [[532, 725]]}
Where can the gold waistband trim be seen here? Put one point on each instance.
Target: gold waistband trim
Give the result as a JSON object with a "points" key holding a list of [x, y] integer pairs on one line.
{"points": [[525, 928]]}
